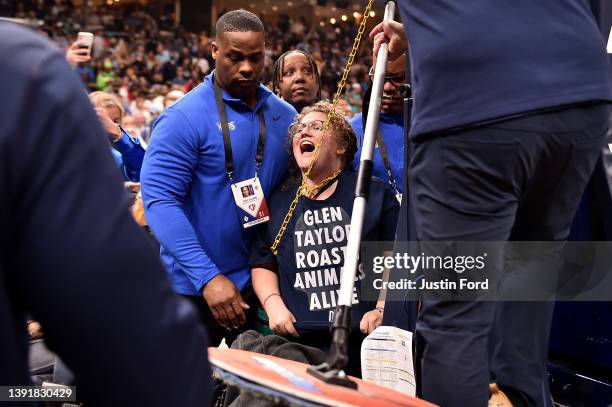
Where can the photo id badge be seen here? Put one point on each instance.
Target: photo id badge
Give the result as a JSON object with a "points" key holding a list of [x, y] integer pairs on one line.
{"points": [[251, 203]]}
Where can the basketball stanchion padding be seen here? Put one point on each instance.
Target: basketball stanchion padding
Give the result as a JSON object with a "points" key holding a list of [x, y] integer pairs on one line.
{"points": [[287, 381]]}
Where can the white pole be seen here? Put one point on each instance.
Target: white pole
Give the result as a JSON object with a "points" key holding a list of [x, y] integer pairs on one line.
{"points": [[347, 279]]}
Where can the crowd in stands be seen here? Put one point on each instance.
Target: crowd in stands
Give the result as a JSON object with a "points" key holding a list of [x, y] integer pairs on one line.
{"points": [[143, 59]]}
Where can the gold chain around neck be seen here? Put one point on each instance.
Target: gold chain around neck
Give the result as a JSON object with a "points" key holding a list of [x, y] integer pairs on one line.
{"points": [[309, 191], [332, 111]]}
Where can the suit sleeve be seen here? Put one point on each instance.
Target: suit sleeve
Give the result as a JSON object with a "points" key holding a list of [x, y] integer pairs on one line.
{"points": [[85, 269]]}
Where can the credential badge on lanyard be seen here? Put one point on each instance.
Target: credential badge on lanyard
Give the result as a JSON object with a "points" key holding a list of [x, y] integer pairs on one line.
{"points": [[248, 194]]}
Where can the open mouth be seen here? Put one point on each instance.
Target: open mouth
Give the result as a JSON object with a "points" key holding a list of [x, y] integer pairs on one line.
{"points": [[307, 146]]}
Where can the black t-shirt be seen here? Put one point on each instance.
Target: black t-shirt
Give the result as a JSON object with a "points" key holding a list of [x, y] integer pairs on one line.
{"points": [[311, 253]]}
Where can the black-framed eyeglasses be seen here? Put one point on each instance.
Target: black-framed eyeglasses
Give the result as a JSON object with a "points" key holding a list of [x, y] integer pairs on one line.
{"points": [[313, 125], [395, 80]]}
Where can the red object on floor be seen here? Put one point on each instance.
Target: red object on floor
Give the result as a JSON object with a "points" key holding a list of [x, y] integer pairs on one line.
{"points": [[291, 378]]}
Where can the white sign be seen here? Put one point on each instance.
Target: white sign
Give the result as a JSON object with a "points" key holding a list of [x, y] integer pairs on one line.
{"points": [[386, 359]]}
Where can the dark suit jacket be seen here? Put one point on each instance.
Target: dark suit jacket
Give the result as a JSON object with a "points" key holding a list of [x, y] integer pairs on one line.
{"points": [[70, 254]]}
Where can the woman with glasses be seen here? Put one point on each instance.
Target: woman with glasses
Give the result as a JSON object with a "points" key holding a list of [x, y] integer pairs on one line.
{"points": [[298, 288]]}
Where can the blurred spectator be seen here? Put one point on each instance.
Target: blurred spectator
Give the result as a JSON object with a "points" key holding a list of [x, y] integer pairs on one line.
{"points": [[172, 97], [127, 151], [105, 74], [136, 55], [354, 95]]}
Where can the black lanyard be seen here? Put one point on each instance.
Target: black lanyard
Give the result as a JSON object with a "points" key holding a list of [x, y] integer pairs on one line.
{"points": [[227, 142], [379, 140], [383, 152]]}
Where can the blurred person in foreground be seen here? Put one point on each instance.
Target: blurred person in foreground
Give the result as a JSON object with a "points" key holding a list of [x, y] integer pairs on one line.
{"points": [[127, 151], [503, 146], [72, 257], [227, 133], [296, 79]]}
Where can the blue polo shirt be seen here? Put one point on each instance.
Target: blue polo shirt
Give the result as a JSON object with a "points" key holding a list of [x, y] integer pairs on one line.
{"points": [[392, 129], [186, 191], [482, 60]]}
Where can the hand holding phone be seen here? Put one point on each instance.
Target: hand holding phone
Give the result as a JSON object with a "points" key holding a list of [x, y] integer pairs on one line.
{"points": [[85, 40], [80, 50]]}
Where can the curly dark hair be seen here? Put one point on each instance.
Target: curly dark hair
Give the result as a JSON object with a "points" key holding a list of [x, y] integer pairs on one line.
{"points": [[339, 127]]}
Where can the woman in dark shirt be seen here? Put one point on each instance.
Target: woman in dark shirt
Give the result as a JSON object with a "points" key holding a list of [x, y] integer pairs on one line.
{"points": [[298, 288]]}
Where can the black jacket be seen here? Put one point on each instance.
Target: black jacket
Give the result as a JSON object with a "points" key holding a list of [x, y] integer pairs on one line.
{"points": [[70, 254]]}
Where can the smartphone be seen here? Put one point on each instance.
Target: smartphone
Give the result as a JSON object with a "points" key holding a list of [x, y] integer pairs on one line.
{"points": [[85, 40]]}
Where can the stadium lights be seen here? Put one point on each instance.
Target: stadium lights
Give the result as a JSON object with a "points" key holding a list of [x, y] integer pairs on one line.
{"points": [[356, 15], [344, 17], [332, 20], [372, 14]]}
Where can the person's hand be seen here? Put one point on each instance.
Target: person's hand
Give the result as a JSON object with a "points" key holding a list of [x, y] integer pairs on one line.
{"points": [[110, 126], [76, 55], [225, 302], [137, 209], [393, 33], [281, 320], [371, 320], [132, 186], [34, 330]]}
